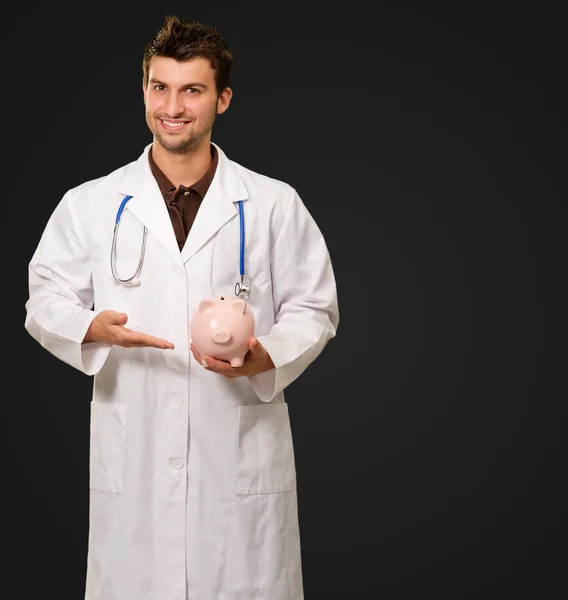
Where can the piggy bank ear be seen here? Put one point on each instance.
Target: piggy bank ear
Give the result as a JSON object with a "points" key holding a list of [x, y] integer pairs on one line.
{"points": [[205, 304], [239, 304]]}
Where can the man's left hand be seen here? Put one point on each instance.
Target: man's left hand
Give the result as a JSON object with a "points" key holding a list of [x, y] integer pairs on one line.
{"points": [[256, 361]]}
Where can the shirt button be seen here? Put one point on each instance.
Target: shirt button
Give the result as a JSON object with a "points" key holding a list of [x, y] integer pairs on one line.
{"points": [[177, 463], [186, 193], [178, 335], [178, 399]]}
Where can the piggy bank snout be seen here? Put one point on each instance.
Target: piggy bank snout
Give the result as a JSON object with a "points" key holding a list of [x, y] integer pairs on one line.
{"points": [[221, 337]]}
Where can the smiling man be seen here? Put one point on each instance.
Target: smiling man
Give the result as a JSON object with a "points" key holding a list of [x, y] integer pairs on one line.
{"points": [[192, 475], [182, 103]]}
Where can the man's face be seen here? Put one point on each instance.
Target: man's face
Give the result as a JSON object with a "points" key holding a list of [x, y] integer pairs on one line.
{"points": [[181, 102]]}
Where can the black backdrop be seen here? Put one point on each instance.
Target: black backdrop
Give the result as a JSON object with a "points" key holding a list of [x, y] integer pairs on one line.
{"points": [[419, 138]]}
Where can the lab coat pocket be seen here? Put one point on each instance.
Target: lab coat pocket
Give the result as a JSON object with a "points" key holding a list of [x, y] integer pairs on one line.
{"points": [[108, 438], [265, 460], [121, 297]]}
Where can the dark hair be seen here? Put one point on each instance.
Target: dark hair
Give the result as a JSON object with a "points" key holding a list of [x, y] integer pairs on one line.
{"points": [[181, 39]]}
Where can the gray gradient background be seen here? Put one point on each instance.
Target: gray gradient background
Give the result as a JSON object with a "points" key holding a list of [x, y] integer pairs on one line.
{"points": [[419, 138]]}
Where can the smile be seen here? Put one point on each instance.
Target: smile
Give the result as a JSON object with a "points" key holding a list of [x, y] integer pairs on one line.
{"points": [[173, 125]]}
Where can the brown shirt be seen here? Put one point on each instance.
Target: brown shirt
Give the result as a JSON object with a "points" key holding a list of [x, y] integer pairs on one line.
{"points": [[184, 203]]}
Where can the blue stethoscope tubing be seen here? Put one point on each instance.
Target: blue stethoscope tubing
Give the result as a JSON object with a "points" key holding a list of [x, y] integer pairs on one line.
{"points": [[242, 288], [134, 278]]}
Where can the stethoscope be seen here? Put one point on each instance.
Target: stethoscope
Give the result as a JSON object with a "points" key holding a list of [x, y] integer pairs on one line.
{"points": [[242, 287]]}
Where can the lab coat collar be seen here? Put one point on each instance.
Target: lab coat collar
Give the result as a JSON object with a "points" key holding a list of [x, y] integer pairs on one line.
{"points": [[217, 207]]}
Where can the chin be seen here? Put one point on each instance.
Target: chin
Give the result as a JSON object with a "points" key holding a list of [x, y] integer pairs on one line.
{"points": [[179, 146]]}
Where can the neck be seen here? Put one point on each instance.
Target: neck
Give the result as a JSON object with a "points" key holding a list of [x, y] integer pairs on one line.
{"points": [[186, 168]]}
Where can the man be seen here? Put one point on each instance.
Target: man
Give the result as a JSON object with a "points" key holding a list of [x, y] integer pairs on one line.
{"points": [[192, 477]]}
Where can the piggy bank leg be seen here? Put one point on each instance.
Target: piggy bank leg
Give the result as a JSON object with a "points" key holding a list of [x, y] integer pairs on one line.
{"points": [[237, 362]]}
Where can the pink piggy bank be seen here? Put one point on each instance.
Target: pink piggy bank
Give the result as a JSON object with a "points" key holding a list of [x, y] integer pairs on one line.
{"points": [[222, 327]]}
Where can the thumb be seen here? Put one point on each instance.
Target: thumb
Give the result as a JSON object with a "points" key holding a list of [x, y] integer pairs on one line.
{"points": [[254, 344], [121, 319]]}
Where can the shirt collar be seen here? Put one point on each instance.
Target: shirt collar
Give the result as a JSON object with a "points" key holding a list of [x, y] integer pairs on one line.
{"points": [[200, 186]]}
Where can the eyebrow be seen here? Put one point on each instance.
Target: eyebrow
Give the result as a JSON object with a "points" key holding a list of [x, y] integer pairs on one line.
{"points": [[183, 87]]}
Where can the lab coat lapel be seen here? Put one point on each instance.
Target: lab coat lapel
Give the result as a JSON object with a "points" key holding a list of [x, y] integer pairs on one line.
{"points": [[217, 207], [148, 204]]}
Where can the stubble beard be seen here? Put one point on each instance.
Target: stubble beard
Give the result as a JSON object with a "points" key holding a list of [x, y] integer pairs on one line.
{"points": [[191, 140]]}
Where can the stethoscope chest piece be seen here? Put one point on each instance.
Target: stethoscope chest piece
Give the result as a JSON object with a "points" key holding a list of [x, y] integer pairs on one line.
{"points": [[242, 288]]}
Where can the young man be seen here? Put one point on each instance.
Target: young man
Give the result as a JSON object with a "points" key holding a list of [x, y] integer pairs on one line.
{"points": [[192, 477]]}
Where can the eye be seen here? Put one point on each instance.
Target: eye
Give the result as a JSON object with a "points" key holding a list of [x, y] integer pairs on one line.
{"points": [[193, 90], [159, 85]]}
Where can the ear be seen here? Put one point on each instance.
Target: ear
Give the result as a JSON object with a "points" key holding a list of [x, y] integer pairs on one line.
{"points": [[239, 304], [205, 304], [224, 100]]}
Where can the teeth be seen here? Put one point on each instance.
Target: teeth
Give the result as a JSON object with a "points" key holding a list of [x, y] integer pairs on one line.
{"points": [[177, 124]]}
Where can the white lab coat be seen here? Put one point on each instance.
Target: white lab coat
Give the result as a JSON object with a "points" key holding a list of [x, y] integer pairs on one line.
{"points": [[192, 476]]}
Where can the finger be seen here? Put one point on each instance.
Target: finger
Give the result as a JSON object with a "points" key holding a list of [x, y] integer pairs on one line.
{"points": [[255, 347], [254, 350], [222, 367], [117, 318], [196, 355], [219, 366], [144, 340]]}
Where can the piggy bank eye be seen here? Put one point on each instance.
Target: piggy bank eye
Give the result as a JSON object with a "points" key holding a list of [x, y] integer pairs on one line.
{"points": [[226, 315], [217, 315]]}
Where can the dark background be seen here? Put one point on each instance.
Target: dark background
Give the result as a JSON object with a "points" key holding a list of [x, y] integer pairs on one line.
{"points": [[420, 138]]}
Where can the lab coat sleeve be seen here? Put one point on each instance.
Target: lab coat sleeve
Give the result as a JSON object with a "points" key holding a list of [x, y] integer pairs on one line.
{"points": [[305, 301], [59, 307]]}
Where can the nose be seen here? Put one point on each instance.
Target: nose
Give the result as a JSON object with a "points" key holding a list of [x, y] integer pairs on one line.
{"points": [[221, 337], [174, 105]]}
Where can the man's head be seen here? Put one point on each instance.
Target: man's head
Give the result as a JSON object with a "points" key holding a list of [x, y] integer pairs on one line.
{"points": [[186, 73]]}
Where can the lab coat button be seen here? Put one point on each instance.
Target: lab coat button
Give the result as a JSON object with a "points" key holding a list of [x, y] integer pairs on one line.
{"points": [[178, 399], [177, 463], [177, 271], [178, 335]]}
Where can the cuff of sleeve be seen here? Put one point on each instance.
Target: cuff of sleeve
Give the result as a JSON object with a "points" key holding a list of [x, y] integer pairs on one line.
{"points": [[91, 356], [264, 384], [268, 383]]}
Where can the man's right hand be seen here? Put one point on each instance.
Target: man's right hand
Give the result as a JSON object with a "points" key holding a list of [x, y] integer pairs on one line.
{"points": [[109, 327]]}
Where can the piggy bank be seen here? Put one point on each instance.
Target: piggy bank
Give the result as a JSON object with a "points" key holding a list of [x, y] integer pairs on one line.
{"points": [[221, 327]]}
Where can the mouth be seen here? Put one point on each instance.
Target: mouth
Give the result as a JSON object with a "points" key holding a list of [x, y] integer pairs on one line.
{"points": [[173, 124]]}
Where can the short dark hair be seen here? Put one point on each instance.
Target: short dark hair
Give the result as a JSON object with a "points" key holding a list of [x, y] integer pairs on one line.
{"points": [[181, 39]]}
